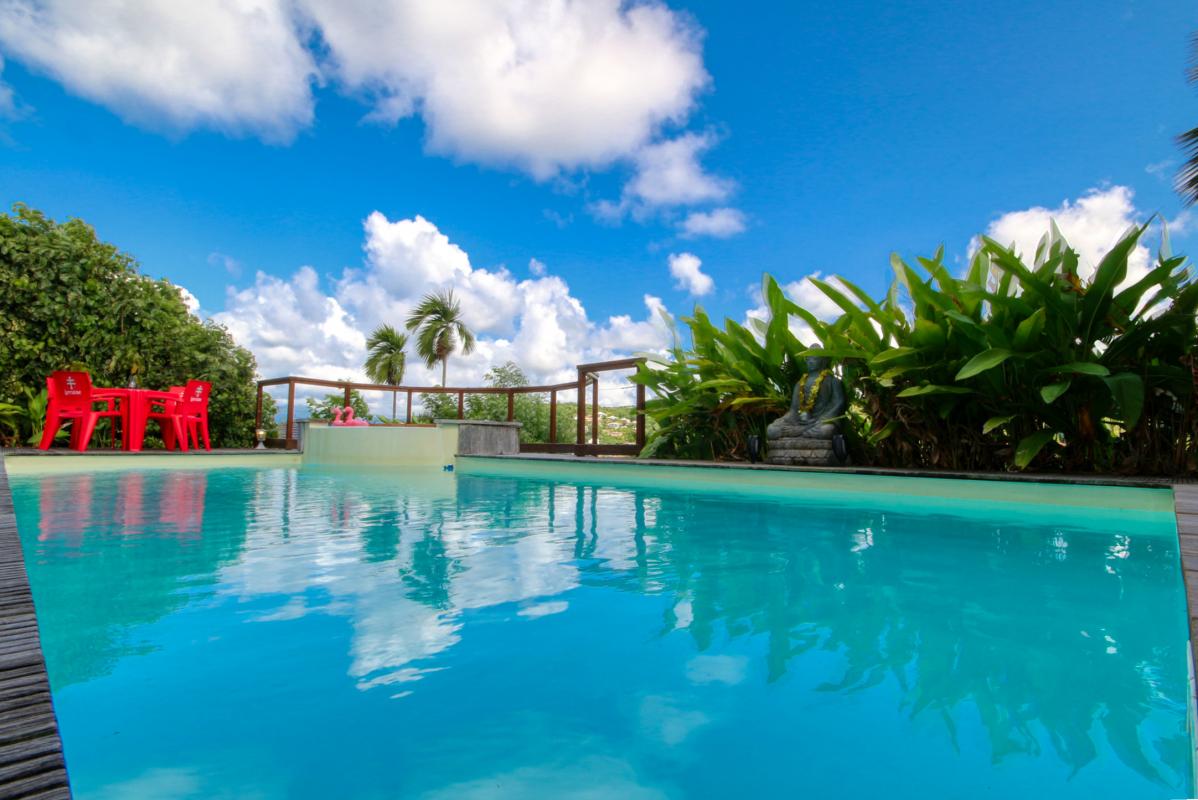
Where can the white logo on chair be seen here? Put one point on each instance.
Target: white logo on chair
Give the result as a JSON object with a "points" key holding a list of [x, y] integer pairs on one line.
{"points": [[71, 386], [199, 392]]}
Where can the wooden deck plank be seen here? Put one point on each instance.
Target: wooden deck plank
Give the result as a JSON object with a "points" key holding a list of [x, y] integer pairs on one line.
{"points": [[1185, 505], [31, 761]]}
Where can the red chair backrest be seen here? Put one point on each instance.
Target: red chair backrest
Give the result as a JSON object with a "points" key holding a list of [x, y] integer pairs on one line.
{"points": [[195, 397], [70, 391]]}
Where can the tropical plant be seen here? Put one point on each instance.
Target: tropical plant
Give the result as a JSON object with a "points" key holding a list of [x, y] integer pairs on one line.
{"points": [[1010, 364], [67, 298], [11, 417], [440, 330], [385, 358], [707, 400], [1187, 177]]}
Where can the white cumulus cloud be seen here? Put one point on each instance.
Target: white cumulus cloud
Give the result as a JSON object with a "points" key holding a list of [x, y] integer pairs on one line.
{"points": [[688, 275], [720, 223], [8, 105], [667, 173], [234, 65], [1091, 224], [296, 326], [545, 85]]}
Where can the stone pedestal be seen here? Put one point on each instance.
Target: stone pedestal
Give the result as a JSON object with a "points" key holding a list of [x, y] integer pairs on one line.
{"points": [[800, 451], [480, 437]]}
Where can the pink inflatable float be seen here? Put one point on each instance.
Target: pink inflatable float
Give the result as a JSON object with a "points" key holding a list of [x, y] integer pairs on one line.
{"points": [[348, 420]]}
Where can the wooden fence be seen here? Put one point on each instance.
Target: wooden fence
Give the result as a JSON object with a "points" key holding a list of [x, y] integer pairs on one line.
{"points": [[588, 377]]}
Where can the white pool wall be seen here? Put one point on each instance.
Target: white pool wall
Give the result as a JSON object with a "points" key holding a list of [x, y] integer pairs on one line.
{"points": [[379, 446], [1025, 500]]}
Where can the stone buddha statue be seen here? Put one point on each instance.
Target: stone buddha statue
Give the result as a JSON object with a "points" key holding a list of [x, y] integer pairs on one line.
{"points": [[803, 435]]}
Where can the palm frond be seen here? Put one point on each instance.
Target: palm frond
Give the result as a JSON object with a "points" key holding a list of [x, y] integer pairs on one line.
{"points": [[1187, 177], [437, 320], [386, 359]]}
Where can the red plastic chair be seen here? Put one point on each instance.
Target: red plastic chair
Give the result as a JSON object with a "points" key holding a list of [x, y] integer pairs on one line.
{"points": [[165, 407], [72, 399], [193, 409]]}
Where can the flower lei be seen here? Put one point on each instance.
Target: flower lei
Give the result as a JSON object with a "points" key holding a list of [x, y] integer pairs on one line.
{"points": [[807, 398]]}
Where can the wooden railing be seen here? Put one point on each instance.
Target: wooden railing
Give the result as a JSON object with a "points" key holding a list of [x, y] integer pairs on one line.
{"points": [[587, 377]]}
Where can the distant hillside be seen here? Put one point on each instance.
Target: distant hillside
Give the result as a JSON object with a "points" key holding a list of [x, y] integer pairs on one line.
{"points": [[617, 424]]}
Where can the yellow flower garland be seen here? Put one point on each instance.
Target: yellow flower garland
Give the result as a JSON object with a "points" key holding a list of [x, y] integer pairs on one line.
{"points": [[807, 398]]}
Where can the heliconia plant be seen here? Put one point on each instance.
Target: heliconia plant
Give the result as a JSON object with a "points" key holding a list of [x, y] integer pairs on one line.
{"points": [[708, 399], [1009, 365]]}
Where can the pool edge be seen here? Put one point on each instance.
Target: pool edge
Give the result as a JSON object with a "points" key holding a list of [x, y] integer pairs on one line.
{"points": [[30, 747], [37, 462], [1185, 507], [1093, 494]]}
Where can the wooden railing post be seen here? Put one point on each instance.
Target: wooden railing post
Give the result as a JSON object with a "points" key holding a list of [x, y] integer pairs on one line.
{"points": [[258, 413], [461, 405], [582, 413], [288, 441], [595, 410], [409, 406], [347, 395], [640, 416], [511, 405], [553, 417]]}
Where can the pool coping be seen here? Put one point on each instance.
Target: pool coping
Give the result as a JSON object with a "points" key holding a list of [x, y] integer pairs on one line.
{"points": [[1088, 479], [31, 758], [1185, 507], [23, 461], [151, 453]]}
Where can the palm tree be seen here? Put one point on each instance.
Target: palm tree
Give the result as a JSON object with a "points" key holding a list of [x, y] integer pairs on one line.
{"points": [[385, 358], [1187, 177], [437, 320]]}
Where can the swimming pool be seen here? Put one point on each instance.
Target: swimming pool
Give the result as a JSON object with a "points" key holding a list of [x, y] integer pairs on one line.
{"points": [[323, 633]]}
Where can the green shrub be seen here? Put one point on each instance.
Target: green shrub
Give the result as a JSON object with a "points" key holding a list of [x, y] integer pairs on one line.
{"points": [[1009, 365], [707, 401], [69, 300]]}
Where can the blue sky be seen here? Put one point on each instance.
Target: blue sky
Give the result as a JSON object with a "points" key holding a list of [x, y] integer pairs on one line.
{"points": [[832, 133]]}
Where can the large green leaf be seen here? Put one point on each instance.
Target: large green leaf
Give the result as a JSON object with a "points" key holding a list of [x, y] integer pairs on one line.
{"points": [[1006, 260], [1083, 368], [1030, 446], [987, 359], [996, 422], [1054, 390], [927, 335], [1128, 390], [885, 432], [1111, 271], [928, 388], [1030, 329], [893, 354]]}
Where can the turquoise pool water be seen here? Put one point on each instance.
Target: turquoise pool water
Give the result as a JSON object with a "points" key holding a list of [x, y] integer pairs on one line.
{"points": [[243, 633]]}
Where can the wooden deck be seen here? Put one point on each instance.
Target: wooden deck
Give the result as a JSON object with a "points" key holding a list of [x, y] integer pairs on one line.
{"points": [[1185, 503], [31, 761]]}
